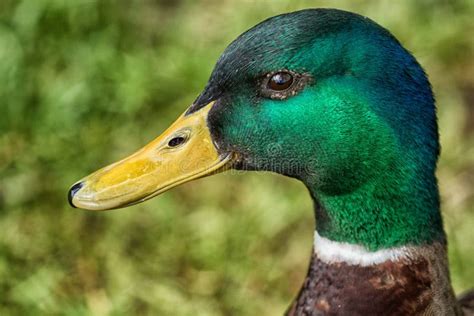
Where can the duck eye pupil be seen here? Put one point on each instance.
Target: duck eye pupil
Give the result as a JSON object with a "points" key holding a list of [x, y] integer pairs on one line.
{"points": [[176, 141], [280, 81]]}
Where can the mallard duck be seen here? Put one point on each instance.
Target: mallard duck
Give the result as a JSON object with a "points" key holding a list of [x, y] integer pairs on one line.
{"points": [[352, 114]]}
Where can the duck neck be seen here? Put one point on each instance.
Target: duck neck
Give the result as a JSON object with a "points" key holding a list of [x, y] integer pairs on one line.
{"points": [[390, 211], [377, 251]]}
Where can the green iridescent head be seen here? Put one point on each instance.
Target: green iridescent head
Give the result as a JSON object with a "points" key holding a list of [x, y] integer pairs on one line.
{"points": [[333, 99], [357, 124]]}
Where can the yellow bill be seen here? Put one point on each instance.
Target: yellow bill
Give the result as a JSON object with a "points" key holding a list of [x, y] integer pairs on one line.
{"points": [[185, 151]]}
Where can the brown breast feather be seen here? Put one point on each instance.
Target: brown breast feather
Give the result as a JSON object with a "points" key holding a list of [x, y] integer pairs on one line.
{"points": [[416, 286]]}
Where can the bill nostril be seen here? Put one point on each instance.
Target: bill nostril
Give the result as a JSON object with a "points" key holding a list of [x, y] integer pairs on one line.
{"points": [[72, 191], [174, 142]]}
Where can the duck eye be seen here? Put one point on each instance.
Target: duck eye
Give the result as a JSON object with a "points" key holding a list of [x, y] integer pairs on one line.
{"points": [[176, 141], [280, 81], [282, 84]]}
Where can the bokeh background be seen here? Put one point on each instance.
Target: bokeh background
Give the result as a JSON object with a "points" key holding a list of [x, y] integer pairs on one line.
{"points": [[84, 83]]}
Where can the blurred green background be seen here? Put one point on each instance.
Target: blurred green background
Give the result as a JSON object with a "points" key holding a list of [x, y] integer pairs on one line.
{"points": [[84, 83]]}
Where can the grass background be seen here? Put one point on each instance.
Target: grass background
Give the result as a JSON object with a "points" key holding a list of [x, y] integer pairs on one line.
{"points": [[84, 83]]}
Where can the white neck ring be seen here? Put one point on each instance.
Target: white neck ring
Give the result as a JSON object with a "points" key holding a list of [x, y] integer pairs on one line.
{"points": [[334, 252]]}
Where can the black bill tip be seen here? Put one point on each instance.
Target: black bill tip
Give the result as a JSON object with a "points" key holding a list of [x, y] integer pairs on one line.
{"points": [[72, 191]]}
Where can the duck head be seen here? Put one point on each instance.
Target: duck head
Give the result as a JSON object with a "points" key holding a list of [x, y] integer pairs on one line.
{"points": [[321, 95]]}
